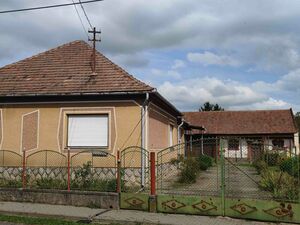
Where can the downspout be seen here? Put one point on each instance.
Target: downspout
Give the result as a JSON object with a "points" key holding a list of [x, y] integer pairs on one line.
{"points": [[179, 138], [143, 138]]}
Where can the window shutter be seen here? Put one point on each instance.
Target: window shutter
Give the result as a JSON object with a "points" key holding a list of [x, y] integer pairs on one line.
{"points": [[87, 130]]}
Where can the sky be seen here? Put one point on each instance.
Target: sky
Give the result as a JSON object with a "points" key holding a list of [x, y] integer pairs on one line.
{"points": [[243, 55]]}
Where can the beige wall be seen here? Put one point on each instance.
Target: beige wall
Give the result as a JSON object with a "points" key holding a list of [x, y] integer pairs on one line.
{"points": [[159, 127], [38, 127]]}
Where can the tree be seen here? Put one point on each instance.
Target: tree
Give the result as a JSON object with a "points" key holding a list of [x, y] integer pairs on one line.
{"points": [[207, 106]]}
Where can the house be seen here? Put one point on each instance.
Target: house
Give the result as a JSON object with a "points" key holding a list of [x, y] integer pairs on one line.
{"points": [[243, 131], [55, 101]]}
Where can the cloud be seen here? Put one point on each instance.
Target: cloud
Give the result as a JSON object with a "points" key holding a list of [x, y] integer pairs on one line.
{"points": [[190, 94], [166, 74], [209, 58], [178, 64], [267, 40], [131, 60]]}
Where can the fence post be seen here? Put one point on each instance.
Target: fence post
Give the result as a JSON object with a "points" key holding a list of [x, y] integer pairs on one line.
{"points": [[24, 170], [152, 197], [222, 176], [118, 172], [69, 171]]}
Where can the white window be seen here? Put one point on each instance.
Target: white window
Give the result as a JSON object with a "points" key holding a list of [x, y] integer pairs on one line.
{"points": [[171, 135], [87, 130]]}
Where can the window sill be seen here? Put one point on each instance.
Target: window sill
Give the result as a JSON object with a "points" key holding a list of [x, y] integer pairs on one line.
{"points": [[91, 149]]}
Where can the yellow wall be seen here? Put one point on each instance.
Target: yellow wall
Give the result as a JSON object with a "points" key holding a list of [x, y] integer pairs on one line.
{"points": [[51, 127]]}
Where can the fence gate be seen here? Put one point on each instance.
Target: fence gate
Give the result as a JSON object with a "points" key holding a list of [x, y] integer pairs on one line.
{"points": [[188, 178], [134, 173], [261, 181]]}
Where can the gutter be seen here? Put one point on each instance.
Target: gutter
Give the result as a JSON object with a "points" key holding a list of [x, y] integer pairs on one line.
{"points": [[144, 111]]}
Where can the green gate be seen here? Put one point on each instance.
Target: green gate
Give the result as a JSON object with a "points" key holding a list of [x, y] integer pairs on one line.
{"points": [[188, 178], [229, 177], [242, 178], [134, 175]]}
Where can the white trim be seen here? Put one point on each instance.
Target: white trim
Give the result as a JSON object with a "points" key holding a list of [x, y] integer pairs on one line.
{"points": [[78, 110]]}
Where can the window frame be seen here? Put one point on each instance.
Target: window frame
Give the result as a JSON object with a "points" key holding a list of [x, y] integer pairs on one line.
{"points": [[171, 129], [86, 113], [231, 147], [278, 140]]}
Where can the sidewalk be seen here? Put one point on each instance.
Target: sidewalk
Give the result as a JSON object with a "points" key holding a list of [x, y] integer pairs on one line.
{"points": [[120, 216]]}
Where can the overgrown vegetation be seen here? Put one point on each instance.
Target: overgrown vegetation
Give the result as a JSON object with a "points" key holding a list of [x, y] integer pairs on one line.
{"points": [[279, 175], [190, 167], [291, 166], [84, 179], [11, 183], [282, 185]]}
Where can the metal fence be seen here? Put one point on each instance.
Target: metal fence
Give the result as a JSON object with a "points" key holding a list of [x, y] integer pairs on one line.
{"points": [[49, 169], [134, 172], [189, 168]]}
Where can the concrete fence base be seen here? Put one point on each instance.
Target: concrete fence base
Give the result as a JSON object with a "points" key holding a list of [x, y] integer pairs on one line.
{"points": [[104, 200]]}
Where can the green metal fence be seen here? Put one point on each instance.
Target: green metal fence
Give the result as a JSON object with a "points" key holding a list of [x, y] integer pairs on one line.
{"points": [[230, 176]]}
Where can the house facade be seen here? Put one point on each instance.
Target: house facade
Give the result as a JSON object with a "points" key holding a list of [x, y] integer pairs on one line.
{"points": [[245, 131], [54, 101]]}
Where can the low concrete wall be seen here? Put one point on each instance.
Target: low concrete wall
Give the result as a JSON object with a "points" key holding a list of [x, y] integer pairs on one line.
{"points": [[104, 200]]}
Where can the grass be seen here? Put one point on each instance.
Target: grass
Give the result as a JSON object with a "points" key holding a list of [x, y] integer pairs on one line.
{"points": [[40, 220]]}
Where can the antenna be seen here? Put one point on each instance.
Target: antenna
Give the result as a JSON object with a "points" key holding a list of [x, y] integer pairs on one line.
{"points": [[94, 39]]}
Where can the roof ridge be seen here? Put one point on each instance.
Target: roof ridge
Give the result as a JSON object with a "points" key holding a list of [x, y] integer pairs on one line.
{"points": [[41, 53]]}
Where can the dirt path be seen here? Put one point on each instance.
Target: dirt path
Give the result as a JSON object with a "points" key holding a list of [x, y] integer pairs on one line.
{"points": [[240, 181]]}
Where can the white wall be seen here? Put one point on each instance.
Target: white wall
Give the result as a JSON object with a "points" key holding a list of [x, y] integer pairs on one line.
{"points": [[241, 153]]}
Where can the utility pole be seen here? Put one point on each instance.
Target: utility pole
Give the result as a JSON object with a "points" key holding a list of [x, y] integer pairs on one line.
{"points": [[94, 39]]}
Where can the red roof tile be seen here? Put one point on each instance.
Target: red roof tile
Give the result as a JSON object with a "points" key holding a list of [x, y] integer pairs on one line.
{"points": [[66, 70], [244, 122]]}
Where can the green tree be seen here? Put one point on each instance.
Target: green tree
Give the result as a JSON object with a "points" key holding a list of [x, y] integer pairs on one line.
{"points": [[207, 106]]}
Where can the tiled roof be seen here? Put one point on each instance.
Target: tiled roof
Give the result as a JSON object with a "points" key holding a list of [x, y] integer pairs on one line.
{"points": [[66, 70], [244, 122]]}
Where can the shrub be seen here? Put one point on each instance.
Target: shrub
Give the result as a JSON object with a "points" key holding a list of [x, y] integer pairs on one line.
{"points": [[206, 160], [281, 184], [291, 166], [11, 183], [188, 171], [274, 158], [260, 166], [50, 183]]}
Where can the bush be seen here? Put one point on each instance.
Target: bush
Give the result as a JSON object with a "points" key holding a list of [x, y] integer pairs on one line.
{"points": [[11, 183], [206, 160], [260, 166], [50, 183], [273, 158], [291, 166], [188, 171], [281, 184]]}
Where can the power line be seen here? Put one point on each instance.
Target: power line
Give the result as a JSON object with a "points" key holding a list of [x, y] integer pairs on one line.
{"points": [[87, 18], [48, 6], [85, 31]]}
